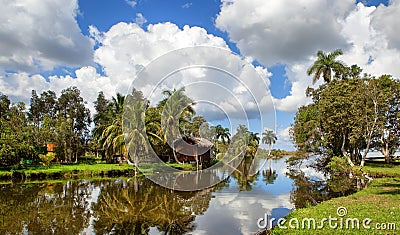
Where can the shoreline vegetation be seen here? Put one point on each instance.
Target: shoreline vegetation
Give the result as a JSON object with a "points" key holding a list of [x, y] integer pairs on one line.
{"points": [[351, 114], [87, 170], [379, 202]]}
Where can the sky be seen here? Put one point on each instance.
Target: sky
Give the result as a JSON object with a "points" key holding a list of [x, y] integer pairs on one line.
{"points": [[101, 45]]}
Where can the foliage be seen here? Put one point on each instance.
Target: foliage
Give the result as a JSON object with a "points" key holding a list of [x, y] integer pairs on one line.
{"points": [[47, 158], [350, 117], [378, 202], [338, 165]]}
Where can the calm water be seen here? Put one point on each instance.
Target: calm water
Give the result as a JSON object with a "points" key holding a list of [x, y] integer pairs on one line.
{"points": [[138, 206]]}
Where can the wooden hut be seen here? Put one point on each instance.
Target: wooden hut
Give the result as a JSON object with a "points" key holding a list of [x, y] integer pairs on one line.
{"points": [[193, 149]]}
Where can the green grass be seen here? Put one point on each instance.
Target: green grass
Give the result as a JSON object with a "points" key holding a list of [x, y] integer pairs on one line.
{"points": [[379, 202], [184, 166], [65, 171], [382, 170]]}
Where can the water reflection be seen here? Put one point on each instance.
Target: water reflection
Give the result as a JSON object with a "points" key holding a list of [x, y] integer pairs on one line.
{"points": [[312, 186], [139, 206]]}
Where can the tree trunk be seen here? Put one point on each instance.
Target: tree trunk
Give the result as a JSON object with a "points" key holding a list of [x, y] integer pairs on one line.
{"points": [[366, 150], [269, 150], [344, 151]]}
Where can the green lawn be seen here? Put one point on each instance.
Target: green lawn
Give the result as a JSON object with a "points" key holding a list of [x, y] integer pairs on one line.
{"points": [[379, 202], [63, 171], [382, 170], [58, 171]]}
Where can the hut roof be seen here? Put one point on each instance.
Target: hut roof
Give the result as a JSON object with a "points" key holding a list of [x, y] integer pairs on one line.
{"points": [[200, 142]]}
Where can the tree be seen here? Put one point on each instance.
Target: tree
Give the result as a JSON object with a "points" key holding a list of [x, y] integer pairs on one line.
{"points": [[16, 142], [74, 120], [350, 117], [108, 131], [326, 65], [222, 133], [269, 138], [134, 126], [176, 108]]}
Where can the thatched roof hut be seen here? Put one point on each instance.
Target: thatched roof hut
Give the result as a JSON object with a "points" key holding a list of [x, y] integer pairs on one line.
{"points": [[190, 149]]}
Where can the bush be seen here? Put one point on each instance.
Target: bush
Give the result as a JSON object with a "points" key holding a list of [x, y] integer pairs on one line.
{"points": [[339, 166], [47, 158]]}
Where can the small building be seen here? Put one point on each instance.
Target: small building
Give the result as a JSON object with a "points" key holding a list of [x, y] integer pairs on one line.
{"points": [[193, 149], [50, 147]]}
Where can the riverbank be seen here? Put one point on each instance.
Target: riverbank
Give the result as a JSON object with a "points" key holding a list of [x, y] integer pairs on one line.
{"points": [[377, 206], [59, 171]]}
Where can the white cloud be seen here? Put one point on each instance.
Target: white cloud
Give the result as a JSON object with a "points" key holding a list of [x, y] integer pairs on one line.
{"points": [[41, 34], [292, 32], [187, 5], [131, 3], [19, 86], [127, 48], [386, 20], [283, 31], [374, 47], [140, 20]]}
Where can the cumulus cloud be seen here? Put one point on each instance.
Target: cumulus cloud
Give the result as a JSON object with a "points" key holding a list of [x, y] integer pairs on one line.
{"points": [[290, 33], [126, 49], [131, 3], [132, 48], [374, 47], [140, 20], [283, 31], [18, 86], [386, 20], [41, 34]]}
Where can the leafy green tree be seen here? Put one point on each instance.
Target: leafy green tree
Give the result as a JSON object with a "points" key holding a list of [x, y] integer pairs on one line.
{"points": [[16, 142], [74, 120]]}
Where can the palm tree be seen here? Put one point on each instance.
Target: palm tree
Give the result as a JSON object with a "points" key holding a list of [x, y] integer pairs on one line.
{"points": [[325, 65], [222, 134], [177, 108], [134, 126], [112, 139], [109, 134], [269, 138]]}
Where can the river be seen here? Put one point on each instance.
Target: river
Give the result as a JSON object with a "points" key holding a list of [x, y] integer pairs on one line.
{"points": [[139, 206]]}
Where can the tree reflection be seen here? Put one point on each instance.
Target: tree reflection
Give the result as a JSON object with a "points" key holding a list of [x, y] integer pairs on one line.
{"points": [[245, 175], [121, 209], [44, 208], [308, 191]]}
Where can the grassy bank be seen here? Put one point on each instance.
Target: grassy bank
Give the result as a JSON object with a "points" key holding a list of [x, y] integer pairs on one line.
{"points": [[67, 171], [379, 202], [379, 170], [57, 171]]}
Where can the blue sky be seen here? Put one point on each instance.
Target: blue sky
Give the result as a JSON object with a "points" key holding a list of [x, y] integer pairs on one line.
{"points": [[90, 43]]}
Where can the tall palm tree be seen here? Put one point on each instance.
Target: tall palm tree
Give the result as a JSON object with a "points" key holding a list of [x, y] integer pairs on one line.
{"points": [[109, 134], [326, 65], [112, 139], [177, 108], [269, 138], [222, 134], [134, 126]]}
